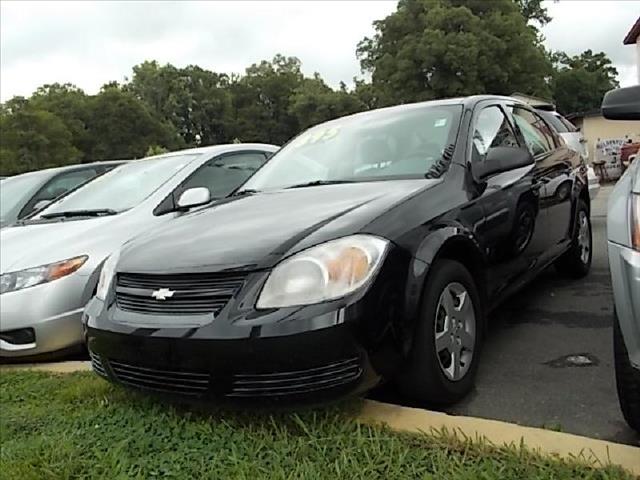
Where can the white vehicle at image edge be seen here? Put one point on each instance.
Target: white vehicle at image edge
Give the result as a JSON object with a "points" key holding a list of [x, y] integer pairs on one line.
{"points": [[623, 241], [50, 263]]}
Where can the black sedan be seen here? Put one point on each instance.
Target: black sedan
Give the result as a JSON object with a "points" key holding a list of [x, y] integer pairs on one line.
{"points": [[369, 248]]}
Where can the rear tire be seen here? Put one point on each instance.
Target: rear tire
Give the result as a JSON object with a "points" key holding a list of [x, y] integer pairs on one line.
{"points": [[576, 261], [627, 380], [444, 358]]}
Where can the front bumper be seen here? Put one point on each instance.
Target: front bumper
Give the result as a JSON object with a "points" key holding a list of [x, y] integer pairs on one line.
{"points": [[305, 368], [297, 355], [624, 264], [52, 310]]}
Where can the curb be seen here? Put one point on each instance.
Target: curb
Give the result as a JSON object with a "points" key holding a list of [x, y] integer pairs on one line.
{"points": [[500, 433], [416, 420]]}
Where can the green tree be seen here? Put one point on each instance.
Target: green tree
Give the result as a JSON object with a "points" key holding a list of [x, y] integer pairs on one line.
{"points": [[262, 100], [196, 101], [69, 104], [121, 126], [315, 102], [33, 139], [580, 81], [431, 49], [533, 10]]}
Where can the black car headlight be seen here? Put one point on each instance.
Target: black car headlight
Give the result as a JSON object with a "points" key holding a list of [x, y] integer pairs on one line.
{"points": [[324, 272], [30, 277]]}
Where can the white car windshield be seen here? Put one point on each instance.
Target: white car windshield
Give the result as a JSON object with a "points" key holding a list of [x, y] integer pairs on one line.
{"points": [[379, 145], [14, 189], [122, 188]]}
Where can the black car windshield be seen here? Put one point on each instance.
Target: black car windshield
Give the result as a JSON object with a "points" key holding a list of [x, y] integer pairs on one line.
{"points": [[384, 144], [14, 190], [123, 187]]}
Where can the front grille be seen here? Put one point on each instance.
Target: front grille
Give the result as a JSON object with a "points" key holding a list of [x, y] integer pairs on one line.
{"points": [[190, 294], [168, 381], [296, 382], [96, 364]]}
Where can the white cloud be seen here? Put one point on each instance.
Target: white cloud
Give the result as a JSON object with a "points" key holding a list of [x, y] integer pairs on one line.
{"points": [[91, 43]]}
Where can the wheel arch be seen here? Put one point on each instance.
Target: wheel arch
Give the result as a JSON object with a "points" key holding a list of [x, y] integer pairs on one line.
{"points": [[453, 244]]}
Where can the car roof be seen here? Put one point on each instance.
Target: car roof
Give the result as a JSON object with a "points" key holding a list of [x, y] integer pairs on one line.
{"points": [[69, 168], [469, 102], [218, 149]]}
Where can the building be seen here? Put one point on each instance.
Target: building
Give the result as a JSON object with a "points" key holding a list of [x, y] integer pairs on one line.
{"points": [[599, 131], [604, 136], [633, 38]]}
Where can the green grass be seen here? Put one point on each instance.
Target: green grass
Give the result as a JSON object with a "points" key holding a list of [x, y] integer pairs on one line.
{"points": [[79, 426]]}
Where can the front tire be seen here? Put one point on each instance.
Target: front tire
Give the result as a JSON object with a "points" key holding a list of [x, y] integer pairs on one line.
{"points": [[576, 262], [444, 359], [627, 380]]}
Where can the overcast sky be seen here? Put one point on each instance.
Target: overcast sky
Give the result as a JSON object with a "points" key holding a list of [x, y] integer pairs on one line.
{"points": [[91, 43]]}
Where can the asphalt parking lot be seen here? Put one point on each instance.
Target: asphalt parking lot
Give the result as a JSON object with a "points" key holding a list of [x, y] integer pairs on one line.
{"points": [[548, 358]]}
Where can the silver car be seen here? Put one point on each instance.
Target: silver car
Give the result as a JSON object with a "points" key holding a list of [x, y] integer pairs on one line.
{"points": [[21, 195], [50, 264], [623, 235]]}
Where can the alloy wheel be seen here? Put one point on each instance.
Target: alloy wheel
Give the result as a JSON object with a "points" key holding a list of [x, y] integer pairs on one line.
{"points": [[584, 237], [455, 331]]}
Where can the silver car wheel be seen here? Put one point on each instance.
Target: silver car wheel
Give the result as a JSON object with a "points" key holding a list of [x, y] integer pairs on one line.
{"points": [[584, 237], [455, 331]]}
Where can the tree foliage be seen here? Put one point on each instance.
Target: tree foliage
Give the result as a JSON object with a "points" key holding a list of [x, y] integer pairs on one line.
{"points": [[445, 48], [580, 82], [32, 139], [533, 10], [426, 49]]}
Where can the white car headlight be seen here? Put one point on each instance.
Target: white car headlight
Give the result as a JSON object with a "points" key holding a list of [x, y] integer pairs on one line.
{"points": [[635, 220], [30, 277], [106, 275], [325, 272]]}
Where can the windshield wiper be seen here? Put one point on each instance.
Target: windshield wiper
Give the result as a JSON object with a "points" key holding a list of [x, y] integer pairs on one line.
{"points": [[247, 191], [98, 212], [319, 182]]}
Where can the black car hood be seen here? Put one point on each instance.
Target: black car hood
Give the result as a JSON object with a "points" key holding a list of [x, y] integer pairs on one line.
{"points": [[257, 231]]}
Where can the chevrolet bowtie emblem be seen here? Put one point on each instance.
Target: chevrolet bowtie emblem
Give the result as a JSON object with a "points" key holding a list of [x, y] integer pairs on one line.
{"points": [[162, 294]]}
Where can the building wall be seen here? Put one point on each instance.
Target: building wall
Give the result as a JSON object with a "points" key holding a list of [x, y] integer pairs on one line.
{"points": [[598, 128]]}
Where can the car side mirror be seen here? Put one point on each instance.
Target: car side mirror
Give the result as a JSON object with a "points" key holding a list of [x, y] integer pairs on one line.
{"points": [[502, 159], [622, 104], [193, 197]]}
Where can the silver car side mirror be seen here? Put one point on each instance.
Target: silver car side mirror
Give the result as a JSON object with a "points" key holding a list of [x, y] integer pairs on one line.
{"points": [[194, 197]]}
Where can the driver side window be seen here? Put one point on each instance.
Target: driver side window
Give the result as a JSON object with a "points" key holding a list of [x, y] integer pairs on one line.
{"points": [[223, 174], [492, 130]]}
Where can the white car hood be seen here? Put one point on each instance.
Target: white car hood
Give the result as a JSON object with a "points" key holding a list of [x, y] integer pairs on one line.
{"points": [[40, 244]]}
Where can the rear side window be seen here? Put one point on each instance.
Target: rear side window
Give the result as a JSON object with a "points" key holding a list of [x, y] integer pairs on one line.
{"points": [[537, 134], [570, 126], [554, 121], [492, 129]]}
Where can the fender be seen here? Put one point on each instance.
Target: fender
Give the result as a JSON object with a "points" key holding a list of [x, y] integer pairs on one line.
{"points": [[452, 241]]}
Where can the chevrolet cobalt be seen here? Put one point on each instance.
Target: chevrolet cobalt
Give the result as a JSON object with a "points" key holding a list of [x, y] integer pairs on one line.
{"points": [[369, 248]]}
